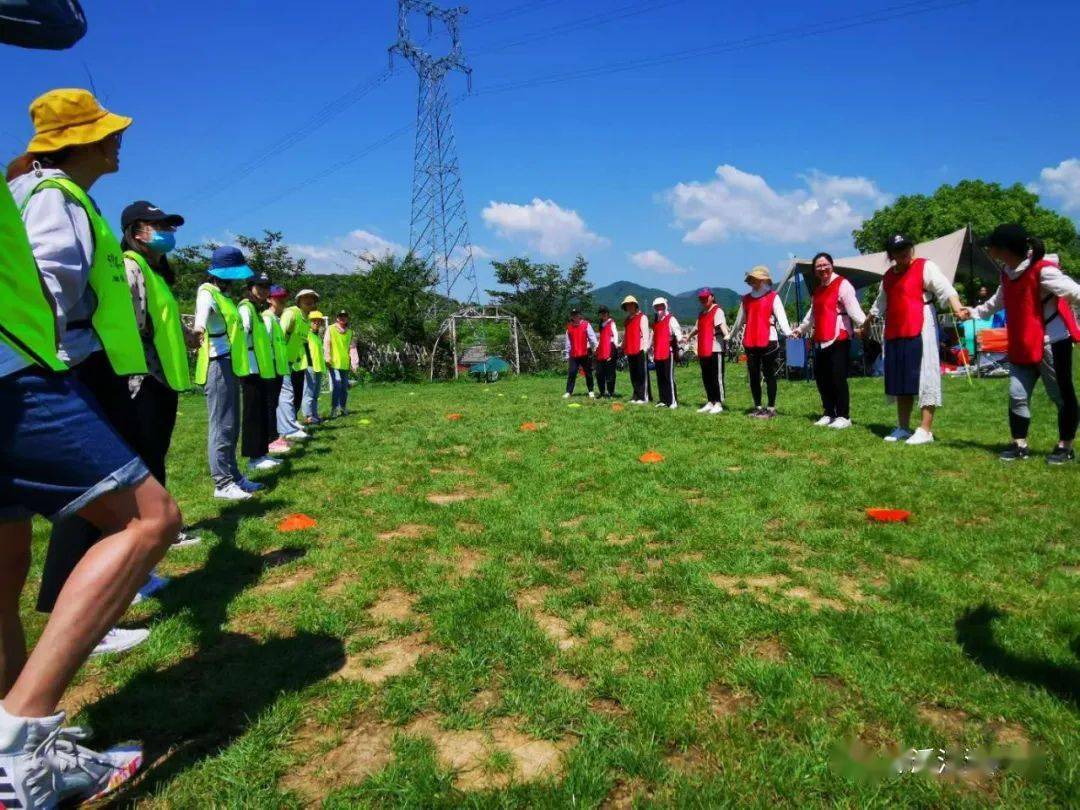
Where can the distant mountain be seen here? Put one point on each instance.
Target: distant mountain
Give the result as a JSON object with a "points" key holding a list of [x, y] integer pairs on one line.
{"points": [[684, 305]]}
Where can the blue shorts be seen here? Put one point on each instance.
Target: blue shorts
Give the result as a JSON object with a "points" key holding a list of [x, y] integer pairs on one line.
{"points": [[903, 366], [57, 451]]}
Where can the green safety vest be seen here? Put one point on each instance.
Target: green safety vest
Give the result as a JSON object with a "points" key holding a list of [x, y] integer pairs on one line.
{"points": [[164, 315], [296, 340], [114, 317], [30, 327], [235, 330], [315, 349], [339, 348], [260, 341], [277, 341]]}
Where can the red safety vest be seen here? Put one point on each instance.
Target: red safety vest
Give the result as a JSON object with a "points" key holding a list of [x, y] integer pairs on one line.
{"points": [[662, 338], [826, 308], [904, 302], [579, 338], [632, 343], [706, 332], [603, 349], [757, 312], [1024, 315]]}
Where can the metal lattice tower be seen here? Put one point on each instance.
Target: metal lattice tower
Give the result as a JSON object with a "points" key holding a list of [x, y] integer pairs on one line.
{"points": [[439, 230]]}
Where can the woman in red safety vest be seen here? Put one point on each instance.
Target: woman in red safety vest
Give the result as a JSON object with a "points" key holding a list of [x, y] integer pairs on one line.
{"points": [[912, 362], [667, 335], [580, 341], [763, 313], [1041, 329], [607, 351], [711, 331], [636, 341]]}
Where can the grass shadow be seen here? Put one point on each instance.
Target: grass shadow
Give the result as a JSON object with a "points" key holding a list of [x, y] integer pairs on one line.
{"points": [[975, 635], [880, 430]]}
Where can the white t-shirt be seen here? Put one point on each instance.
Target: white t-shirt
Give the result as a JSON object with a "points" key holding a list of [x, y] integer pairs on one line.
{"points": [[208, 319]]}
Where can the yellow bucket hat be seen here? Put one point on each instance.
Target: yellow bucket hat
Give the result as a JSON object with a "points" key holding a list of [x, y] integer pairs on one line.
{"points": [[315, 315], [761, 272], [71, 118]]}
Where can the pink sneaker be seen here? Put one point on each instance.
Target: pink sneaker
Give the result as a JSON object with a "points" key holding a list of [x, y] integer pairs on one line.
{"points": [[279, 447]]}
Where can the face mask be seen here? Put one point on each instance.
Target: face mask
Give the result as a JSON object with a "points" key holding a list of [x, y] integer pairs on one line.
{"points": [[161, 241]]}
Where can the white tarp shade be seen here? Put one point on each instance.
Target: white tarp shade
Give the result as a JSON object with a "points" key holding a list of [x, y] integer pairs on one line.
{"points": [[956, 254]]}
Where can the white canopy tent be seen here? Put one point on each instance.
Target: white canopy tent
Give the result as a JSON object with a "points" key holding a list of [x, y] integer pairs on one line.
{"points": [[956, 254]]}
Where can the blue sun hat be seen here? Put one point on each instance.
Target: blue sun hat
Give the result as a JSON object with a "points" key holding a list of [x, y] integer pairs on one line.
{"points": [[228, 264]]}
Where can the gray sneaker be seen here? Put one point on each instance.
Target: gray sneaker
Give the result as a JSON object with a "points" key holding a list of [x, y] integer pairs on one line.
{"points": [[28, 780], [85, 775]]}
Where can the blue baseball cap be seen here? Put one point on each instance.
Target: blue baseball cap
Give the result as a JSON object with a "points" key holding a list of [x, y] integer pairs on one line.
{"points": [[228, 264]]}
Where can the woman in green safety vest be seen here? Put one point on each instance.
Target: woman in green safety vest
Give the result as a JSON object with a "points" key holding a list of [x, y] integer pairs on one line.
{"points": [[338, 348], [259, 387], [316, 368], [61, 449], [222, 362], [295, 326], [272, 318]]}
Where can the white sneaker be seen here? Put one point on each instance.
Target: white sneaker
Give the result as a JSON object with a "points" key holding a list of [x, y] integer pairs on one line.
{"points": [[899, 434], [824, 421], [566, 395], [261, 464], [920, 436], [184, 540], [840, 423], [297, 436], [716, 408], [660, 405], [705, 408], [673, 406], [118, 641], [29, 777], [592, 395], [231, 492], [84, 775]]}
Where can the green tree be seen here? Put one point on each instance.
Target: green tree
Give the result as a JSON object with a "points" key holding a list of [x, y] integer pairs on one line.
{"points": [[392, 297], [541, 295], [976, 203]]}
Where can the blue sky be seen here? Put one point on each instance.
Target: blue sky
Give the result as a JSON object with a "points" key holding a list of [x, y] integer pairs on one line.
{"points": [[672, 175]]}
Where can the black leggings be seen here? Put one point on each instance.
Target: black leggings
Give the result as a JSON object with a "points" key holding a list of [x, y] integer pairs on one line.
{"points": [[763, 361], [639, 376], [258, 400], [572, 373], [831, 374], [1069, 413], [155, 409], [712, 377]]}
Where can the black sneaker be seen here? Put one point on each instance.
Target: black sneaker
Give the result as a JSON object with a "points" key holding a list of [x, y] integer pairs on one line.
{"points": [[1061, 455], [1015, 453]]}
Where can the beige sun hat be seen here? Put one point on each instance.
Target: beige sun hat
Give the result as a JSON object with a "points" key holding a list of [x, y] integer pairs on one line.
{"points": [[304, 292], [629, 300], [761, 273]]}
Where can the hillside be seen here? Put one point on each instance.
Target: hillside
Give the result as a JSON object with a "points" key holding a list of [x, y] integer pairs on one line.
{"points": [[683, 304]]}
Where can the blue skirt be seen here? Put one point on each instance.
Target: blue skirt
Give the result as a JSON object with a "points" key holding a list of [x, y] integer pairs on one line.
{"points": [[903, 362]]}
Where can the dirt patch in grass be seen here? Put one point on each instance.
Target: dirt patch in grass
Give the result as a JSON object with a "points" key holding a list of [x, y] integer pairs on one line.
{"points": [[493, 757], [816, 601], [741, 584], [408, 531], [698, 501], [615, 539], [691, 760], [532, 598], [391, 658], [575, 683], [573, 523], [620, 640], [394, 605], [770, 649], [624, 794], [609, 707], [287, 580], [903, 562], [948, 721], [337, 587], [367, 492], [485, 700], [467, 527], [558, 630], [447, 498], [365, 750], [459, 450], [450, 471], [83, 694], [723, 702], [779, 452], [467, 560]]}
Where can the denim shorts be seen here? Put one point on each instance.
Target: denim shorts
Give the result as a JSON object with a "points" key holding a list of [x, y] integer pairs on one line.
{"points": [[57, 451]]}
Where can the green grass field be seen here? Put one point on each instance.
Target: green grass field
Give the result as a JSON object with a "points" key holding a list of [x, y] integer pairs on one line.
{"points": [[496, 617]]}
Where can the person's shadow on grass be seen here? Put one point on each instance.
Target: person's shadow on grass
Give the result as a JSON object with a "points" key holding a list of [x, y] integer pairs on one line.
{"points": [[975, 635], [198, 706]]}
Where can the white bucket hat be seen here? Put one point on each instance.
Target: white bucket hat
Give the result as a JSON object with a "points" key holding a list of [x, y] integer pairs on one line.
{"points": [[659, 302], [302, 293]]}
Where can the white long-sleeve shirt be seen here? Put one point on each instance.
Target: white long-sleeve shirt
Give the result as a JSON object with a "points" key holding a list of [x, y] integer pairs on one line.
{"points": [[646, 331], [209, 320], [590, 333], [676, 331], [1053, 284], [63, 245], [245, 320], [779, 315], [848, 311], [934, 283]]}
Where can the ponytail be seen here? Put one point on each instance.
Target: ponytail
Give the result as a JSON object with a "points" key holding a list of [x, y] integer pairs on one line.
{"points": [[1038, 250], [31, 161]]}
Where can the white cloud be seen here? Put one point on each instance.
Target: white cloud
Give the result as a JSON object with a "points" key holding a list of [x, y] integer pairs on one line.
{"points": [[339, 255], [1061, 182], [737, 203], [543, 225], [656, 262]]}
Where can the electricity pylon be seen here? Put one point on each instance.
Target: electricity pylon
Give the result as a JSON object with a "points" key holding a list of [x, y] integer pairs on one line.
{"points": [[439, 229]]}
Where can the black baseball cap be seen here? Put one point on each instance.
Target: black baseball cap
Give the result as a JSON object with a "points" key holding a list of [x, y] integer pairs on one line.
{"points": [[261, 280], [143, 211], [898, 241], [575, 311], [1010, 237], [342, 312], [604, 310]]}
